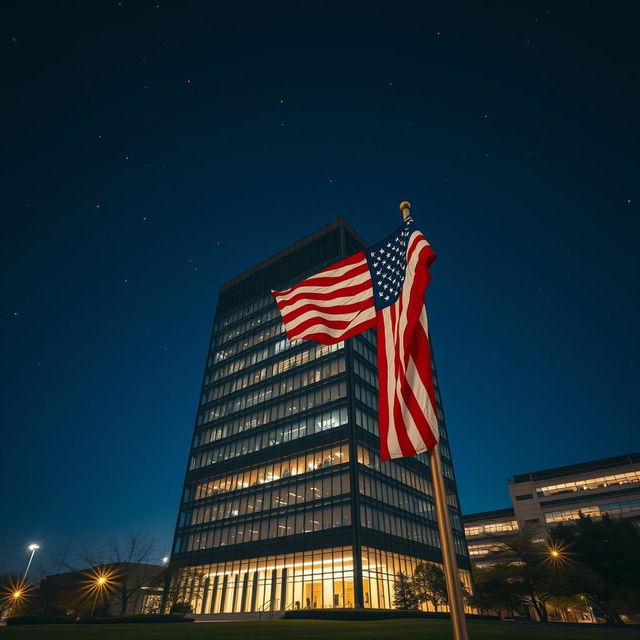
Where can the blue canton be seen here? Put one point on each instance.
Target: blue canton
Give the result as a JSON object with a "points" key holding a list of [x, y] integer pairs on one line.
{"points": [[388, 264]]}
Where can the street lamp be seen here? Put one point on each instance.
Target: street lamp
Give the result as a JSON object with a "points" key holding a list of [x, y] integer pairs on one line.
{"points": [[33, 548], [17, 596], [13, 594], [101, 580]]}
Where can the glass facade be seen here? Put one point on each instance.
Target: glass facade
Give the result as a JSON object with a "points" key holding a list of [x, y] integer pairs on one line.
{"points": [[286, 503]]}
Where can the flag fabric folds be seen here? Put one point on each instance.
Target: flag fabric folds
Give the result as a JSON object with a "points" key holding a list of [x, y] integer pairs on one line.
{"points": [[381, 287]]}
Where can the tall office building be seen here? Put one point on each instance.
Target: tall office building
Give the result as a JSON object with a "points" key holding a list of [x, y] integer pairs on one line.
{"points": [[286, 504]]}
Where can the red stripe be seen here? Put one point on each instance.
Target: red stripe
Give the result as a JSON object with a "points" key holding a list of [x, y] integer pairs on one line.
{"points": [[324, 338], [319, 295], [328, 311], [405, 443], [321, 322]]}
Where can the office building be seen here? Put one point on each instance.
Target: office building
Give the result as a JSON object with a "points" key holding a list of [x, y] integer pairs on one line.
{"points": [[546, 498], [286, 504]]}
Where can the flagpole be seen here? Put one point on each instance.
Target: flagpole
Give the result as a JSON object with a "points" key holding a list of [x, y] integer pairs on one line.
{"points": [[447, 546]]}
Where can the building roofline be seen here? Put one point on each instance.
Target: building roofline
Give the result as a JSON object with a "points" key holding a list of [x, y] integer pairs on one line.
{"points": [[581, 467], [489, 515], [335, 224]]}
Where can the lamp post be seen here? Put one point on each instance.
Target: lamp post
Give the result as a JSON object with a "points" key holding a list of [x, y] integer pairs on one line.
{"points": [[33, 548], [99, 586], [16, 596]]}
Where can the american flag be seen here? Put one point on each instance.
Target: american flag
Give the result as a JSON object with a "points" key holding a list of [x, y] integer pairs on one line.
{"points": [[381, 287]]}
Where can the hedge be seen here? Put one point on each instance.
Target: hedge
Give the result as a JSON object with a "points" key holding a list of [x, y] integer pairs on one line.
{"points": [[137, 618], [372, 614]]}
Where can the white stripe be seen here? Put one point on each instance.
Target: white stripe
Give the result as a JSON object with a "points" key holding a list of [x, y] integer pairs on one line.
{"points": [[319, 315], [430, 413], [361, 318], [340, 284], [334, 302], [393, 445]]}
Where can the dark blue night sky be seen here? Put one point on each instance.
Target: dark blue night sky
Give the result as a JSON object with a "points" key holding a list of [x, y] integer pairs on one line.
{"points": [[152, 151]]}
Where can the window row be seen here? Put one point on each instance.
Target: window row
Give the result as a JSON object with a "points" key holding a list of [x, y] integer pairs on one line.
{"points": [[593, 511], [484, 549], [243, 312], [292, 430], [366, 350], [297, 522], [373, 518], [599, 482], [370, 337], [379, 490], [509, 526], [231, 349], [243, 327], [391, 524], [366, 396], [284, 409], [275, 389], [275, 498], [271, 471], [366, 372], [417, 481], [268, 371], [248, 359], [304, 580]]}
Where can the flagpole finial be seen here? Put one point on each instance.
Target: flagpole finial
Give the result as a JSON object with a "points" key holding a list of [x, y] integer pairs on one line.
{"points": [[405, 209]]}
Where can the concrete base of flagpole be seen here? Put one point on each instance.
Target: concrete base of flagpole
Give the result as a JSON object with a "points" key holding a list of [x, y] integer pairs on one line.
{"points": [[456, 603]]}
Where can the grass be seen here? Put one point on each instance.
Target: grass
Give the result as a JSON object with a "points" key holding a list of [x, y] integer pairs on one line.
{"points": [[406, 629]]}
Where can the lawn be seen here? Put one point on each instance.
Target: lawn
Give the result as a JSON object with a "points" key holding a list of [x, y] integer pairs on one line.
{"points": [[316, 630]]}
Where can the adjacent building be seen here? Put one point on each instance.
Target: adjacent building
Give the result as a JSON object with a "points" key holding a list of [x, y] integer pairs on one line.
{"points": [[545, 498], [128, 588], [286, 504]]}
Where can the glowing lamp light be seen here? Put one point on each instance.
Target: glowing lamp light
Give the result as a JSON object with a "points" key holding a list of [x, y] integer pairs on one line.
{"points": [[17, 594], [33, 547], [558, 553]]}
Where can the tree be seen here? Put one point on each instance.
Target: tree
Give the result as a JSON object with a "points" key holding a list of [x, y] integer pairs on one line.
{"points": [[531, 574], [129, 560], [183, 586], [404, 597], [429, 584], [604, 563], [493, 591]]}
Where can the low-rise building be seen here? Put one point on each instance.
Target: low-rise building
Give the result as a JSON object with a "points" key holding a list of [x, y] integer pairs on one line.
{"points": [[110, 589], [609, 486], [545, 498], [484, 531]]}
